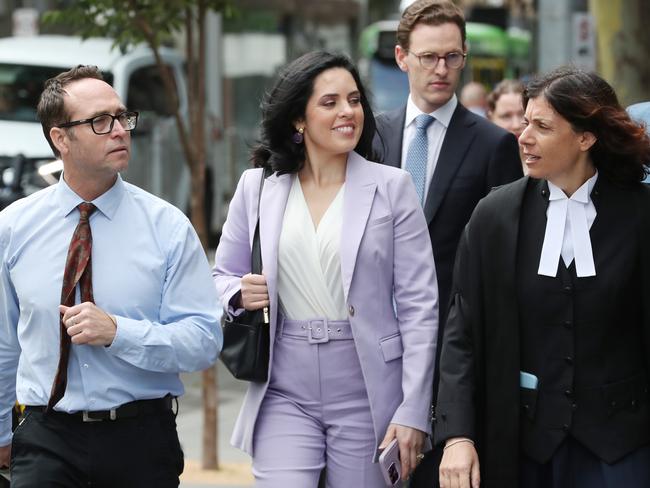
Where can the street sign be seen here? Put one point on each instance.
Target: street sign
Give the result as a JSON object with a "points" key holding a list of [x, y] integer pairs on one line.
{"points": [[25, 22], [583, 47]]}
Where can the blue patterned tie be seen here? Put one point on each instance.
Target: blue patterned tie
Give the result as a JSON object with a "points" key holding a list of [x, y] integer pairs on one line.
{"points": [[416, 157]]}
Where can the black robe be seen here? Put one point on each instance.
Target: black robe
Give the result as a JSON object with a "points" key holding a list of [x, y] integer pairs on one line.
{"points": [[478, 395]]}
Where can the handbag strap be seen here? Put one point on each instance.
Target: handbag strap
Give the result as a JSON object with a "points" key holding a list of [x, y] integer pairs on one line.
{"points": [[256, 251]]}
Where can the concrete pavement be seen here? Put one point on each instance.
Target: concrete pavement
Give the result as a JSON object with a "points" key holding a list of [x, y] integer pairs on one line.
{"points": [[235, 471]]}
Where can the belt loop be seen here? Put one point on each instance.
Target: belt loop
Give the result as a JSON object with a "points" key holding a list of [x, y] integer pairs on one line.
{"points": [[280, 326]]}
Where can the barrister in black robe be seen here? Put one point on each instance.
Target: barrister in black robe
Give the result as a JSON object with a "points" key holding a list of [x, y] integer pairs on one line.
{"points": [[576, 324]]}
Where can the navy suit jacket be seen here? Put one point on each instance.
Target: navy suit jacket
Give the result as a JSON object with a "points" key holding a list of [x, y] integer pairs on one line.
{"points": [[475, 156]]}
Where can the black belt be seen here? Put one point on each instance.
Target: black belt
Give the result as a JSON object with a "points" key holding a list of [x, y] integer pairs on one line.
{"points": [[128, 410]]}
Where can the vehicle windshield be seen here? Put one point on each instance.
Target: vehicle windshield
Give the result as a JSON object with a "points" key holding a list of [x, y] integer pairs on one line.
{"points": [[21, 87]]}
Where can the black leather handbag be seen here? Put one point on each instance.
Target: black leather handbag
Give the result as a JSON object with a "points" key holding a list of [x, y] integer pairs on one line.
{"points": [[246, 340]]}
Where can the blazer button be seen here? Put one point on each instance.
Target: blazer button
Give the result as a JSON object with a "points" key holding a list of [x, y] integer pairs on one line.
{"points": [[351, 310]]}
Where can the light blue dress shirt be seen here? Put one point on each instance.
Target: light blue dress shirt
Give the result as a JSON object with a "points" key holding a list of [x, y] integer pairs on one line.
{"points": [[149, 271]]}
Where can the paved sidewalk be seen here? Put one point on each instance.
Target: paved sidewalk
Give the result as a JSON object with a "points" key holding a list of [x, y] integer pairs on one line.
{"points": [[234, 469]]}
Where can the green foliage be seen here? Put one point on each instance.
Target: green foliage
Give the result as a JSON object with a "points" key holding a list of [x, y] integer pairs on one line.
{"points": [[122, 20]]}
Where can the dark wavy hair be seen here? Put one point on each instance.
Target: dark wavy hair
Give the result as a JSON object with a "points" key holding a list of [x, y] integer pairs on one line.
{"points": [[286, 102], [622, 148]]}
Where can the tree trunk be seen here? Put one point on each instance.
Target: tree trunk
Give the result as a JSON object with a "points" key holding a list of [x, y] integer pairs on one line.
{"points": [[210, 397], [623, 46]]}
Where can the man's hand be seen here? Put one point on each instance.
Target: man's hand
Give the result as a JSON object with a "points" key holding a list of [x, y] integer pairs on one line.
{"points": [[410, 443], [459, 467], [86, 323], [5, 456]]}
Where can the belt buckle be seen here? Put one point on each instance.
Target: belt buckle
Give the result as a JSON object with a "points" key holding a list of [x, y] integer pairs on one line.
{"points": [[85, 416], [323, 329]]}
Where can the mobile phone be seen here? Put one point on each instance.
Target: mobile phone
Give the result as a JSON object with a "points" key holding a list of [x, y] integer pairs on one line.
{"points": [[527, 380], [390, 465]]}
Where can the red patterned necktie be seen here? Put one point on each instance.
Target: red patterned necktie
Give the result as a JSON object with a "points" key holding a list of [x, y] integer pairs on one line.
{"points": [[78, 269]]}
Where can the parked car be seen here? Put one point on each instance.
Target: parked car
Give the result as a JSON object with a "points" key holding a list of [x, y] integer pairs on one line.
{"points": [[157, 163]]}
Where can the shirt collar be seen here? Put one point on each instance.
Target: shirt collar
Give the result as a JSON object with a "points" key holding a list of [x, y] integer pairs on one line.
{"points": [[107, 203], [442, 114], [582, 194]]}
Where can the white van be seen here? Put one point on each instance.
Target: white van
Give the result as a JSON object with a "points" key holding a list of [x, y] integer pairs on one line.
{"points": [[157, 164]]}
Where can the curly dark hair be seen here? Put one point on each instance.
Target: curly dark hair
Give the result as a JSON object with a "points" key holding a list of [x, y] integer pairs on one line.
{"points": [[622, 148], [286, 102]]}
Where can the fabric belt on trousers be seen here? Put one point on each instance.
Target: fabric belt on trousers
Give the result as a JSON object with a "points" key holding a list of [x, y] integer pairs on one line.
{"points": [[128, 410], [317, 331]]}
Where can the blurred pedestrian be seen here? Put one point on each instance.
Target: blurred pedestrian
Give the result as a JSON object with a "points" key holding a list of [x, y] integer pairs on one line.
{"points": [[505, 106], [544, 365], [473, 97], [640, 112], [105, 297], [506, 109], [454, 156], [353, 299]]}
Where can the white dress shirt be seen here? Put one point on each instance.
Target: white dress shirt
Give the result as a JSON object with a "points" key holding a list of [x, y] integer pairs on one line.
{"points": [[309, 261], [435, 134], [568, 221]]}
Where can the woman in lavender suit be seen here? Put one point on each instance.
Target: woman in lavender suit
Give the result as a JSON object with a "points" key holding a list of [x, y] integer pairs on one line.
{"points": [[350, 280]]}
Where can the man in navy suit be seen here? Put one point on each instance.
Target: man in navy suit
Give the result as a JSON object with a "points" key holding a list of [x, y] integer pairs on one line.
{"points": [[455, 156]]}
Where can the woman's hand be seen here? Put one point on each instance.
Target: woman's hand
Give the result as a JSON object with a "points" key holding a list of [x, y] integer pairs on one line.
{"points": [[459, 467], [254, 292], [410, 443]]}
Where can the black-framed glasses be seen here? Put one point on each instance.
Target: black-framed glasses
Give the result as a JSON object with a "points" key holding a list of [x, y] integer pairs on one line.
{"points": [[453, 60], [103, 123]]}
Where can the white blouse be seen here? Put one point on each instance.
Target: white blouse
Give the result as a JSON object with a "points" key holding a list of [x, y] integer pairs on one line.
{"points": [[309, 263]]}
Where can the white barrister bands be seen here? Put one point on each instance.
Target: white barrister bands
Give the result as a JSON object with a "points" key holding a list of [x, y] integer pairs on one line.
{"points": [[567, 230]]}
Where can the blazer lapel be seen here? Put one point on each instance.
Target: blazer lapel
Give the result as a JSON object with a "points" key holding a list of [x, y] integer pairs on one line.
{"points": [[273, 202], [357, 202], [458, 139]]}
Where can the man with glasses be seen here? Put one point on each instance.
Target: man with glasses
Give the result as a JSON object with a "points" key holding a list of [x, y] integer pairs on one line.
{"points": [[105, 297], [454, 156]]}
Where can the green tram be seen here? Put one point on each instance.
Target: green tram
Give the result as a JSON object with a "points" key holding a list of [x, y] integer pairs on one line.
{"points": [[493, 54]]}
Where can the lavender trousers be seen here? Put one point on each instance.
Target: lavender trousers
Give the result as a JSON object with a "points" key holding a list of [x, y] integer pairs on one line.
{"points": [[315, 412]]}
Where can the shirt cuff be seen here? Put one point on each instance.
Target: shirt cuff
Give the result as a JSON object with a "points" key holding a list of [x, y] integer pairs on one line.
{"points": [[128, 333]]}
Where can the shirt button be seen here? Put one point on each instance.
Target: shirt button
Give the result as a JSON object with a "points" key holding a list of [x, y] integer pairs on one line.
{"points": [[565, 428], [568, 392], [569, 360], [568, 324], [86, 365], [568, 288], [351, 310]]}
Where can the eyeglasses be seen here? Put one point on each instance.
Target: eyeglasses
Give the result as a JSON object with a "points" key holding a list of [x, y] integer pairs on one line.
{"points": [[103, 124], [453, 60]]}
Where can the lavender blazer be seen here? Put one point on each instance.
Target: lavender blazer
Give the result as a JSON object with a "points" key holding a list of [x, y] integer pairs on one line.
{"points": [[389, 283]]}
